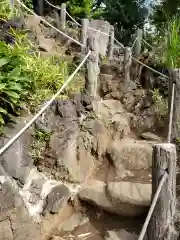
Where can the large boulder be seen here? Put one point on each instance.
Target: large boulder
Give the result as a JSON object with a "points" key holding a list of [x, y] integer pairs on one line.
{"points": [[130, 155], [41, 195], [135, 193], [95, 192], [17, 160], [120, 235]]}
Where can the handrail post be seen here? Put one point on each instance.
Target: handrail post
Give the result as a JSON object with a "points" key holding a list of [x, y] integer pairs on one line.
{"points": [[174, 80], [84, 29], [93, 70], [161, 225], [111, 43], [63, 16], [138, 43], [127, 64]]}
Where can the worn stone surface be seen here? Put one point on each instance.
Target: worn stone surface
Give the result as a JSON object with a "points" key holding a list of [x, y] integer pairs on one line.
{"points": [[6, 230], [15, 222], [17, 160], [77, 219], [46, 44], [42, 195], [120, 235], [94, 192], [151, 136], [134, 193], [130, 154]]}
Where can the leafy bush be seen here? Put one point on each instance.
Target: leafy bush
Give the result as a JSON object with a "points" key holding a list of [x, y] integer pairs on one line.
{"points": [[26, 78], [160, 104]]}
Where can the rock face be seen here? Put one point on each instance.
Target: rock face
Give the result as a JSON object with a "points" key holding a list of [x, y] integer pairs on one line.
{"points": [[17, 160], [128, 202], [120, 235], [129, 155]]}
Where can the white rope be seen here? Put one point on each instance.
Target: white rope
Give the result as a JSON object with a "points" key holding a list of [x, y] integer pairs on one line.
{"points": [[58, 8], [147, 43], [119, 43], [12, 140], [73, 19], [153, 204], [29, 10], [150, 68], [171, 114], [134, 42]]}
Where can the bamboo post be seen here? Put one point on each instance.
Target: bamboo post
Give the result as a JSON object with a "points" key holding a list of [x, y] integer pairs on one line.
{"points": [[174, 79], [161, 226], [92, 66], [63, 16], [138, 43], [127, 64], [84, 29], [111, 43]]}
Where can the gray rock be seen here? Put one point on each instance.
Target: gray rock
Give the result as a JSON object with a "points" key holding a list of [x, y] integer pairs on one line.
{"points": [[41, 195], [5, 230], [17, 160], [151, 136], [56, 198], [129, 155], [134, 193], [120, 235], [94, 192]]}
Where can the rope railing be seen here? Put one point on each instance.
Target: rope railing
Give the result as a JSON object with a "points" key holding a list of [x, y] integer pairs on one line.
{"points": [[50, 25], [13, 139], [153, 204]]}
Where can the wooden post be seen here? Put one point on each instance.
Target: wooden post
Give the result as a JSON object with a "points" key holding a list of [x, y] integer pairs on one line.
{"points": [[111, 43], [63, 16], [92, 66], [41, 7], [138, 43], [127, 64], [161, 226], [175, 78], [11, 4], [85, 23]]}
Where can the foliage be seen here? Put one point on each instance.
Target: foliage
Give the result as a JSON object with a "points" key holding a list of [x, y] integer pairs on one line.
{"points": [[164, 11], [160, 104], [125, 15], [172, 39], [25, 77], [41, 137]]}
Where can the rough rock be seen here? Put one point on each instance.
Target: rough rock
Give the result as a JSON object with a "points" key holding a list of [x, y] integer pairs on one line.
{"points": [[77, 219], [17, 160], [56, 238], [151, 136], [46, 44], [120, 235], [135, 193], [94, 192], [106, 109], [129, 155], [14, 218], [5, 230], [42, 195]]}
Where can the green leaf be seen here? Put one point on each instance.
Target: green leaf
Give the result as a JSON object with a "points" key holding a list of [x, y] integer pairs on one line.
{"points": [[1, 120], [3, 61], [12, 94], [2, 110], [2, 86], [14, 86], [15, 72]]}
